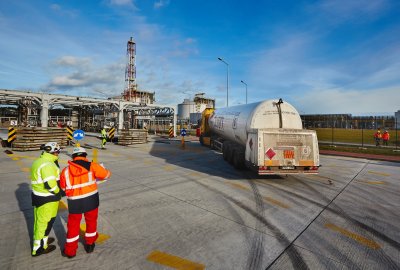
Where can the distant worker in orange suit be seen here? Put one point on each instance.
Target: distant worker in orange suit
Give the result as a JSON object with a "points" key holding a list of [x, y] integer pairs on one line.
{"points": [[378, 137], [79, 181], [385, 137]]}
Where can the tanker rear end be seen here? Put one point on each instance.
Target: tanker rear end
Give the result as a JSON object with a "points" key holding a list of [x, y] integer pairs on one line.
{"points": [[282, 151], [265, 136]]}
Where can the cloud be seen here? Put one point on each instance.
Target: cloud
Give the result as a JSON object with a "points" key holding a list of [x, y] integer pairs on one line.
{"points": [[342, 10], [90, 80], [71, 61], [64, 12], [121, 2], [55, 7], [161, 3]]}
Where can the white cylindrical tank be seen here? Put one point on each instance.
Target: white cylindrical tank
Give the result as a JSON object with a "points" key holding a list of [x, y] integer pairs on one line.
{"points": [[185, 108], [233, 123]]}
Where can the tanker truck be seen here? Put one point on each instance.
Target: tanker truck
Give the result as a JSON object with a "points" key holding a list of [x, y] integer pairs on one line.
{"points": [[267, 137]]}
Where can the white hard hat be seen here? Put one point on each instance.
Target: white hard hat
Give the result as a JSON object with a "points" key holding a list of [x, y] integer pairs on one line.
{"points": [[78, 150], [52, 147]]}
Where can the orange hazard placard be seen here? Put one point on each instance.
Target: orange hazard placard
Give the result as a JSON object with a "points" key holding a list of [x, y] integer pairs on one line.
{"points": [[289, 154]]}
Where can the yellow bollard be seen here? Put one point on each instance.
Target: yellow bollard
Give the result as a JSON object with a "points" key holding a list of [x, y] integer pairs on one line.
{"points": [[183, 142]]}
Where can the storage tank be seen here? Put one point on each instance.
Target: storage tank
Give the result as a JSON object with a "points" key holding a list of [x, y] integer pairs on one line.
{"points": [[233, 123], [185, 108]]}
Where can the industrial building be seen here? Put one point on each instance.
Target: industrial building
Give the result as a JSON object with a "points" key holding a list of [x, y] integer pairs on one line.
{"points": [[189, 112], [134, 108]]}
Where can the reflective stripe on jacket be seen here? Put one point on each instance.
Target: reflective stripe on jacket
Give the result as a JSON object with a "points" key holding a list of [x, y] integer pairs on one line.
{"points": [[78, 180], [44, 177]]}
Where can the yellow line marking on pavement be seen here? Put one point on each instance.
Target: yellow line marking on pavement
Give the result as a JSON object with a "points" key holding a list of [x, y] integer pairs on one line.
{"points": [[25, 169], [95, 155], [236, 185], [173, 261], [27, 157], [276, 202], [148, 162], [168, 168], [195, 174], [100, 239], [362, 240], [62, 206], [379, 173], [373, 182], [15, 158]]}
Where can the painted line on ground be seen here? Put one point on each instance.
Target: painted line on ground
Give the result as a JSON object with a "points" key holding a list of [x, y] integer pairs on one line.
{"points": [[276, 202], [360, 239], [236, 185], [372, 182], [196, 174], [168, 168], [266, 198], [101, 237], [95, 155], [379, 173], [62, 206], [173, 261]]}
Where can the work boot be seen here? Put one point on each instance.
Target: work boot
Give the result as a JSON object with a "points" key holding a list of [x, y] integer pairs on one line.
{"points": [[89, 248], [41, 251], [66, 255], [50, 240]]}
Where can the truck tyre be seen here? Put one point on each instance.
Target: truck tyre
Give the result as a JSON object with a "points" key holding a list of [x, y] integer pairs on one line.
{"points": [[231, 153], [238, 160], [201, 140], [225, 151]]}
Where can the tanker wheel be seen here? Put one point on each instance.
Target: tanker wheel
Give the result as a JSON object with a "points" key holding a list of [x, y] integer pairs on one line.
{"points": [[231, 154], [238, 160], [225, 151]]}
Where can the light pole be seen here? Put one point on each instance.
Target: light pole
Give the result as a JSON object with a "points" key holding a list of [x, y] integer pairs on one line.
{"points": [[227, 79], [246, 89]]}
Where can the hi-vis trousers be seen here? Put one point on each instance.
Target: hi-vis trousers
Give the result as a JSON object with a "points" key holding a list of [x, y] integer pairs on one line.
{"points": [[74, 220], [45, 215]]}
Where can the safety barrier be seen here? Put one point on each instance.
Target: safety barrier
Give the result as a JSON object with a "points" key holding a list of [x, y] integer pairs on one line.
{"points": [[69, 133], [12, 134], [111, 133]]}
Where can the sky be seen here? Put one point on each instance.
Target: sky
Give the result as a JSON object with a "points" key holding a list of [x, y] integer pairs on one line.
{"points": [[330, 56]]}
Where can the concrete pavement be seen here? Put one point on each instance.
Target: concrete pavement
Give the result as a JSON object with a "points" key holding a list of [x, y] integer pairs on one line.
{"points": [[166, 207]]}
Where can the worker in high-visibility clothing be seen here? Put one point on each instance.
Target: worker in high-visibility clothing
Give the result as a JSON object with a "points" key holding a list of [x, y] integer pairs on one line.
{"points": [[45, 197], [103, 138], [79, 181]]}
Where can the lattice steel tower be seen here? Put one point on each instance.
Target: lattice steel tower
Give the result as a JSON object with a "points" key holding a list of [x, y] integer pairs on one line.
{"points": [[130, 71]]}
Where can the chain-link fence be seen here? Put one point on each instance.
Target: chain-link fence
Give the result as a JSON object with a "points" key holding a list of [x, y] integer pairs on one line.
{"points": [[344, 129]]}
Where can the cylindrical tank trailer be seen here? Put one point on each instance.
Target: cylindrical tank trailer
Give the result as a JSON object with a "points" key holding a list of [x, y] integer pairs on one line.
{"points": [[266, 136], [233, 123]]}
